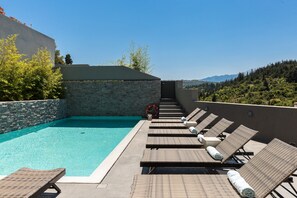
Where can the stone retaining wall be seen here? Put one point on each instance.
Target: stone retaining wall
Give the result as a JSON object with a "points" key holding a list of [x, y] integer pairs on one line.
{"points": [[111, 98], [21, 114]]}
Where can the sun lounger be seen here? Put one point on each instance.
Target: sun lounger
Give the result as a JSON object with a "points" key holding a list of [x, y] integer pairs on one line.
{"points": [[172, 140], [199, 157], [176, 120], [171, 132], [30, 183], [214, 131], [177, 125], [264, 173]]}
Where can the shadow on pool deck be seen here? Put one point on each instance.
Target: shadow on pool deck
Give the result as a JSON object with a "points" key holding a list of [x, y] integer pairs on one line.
{"points": [[117, 183]]}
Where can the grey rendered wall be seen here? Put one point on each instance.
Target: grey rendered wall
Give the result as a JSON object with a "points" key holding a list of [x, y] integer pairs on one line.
{"points": [[28, 40], [21, 114], [270, 121], [110, 98]]}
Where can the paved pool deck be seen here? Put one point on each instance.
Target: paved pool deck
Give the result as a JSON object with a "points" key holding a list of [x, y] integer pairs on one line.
{"points": [[118, 181]]}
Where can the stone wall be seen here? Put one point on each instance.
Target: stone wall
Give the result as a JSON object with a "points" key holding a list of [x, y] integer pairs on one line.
{"points": [[107, 98], [21, 114]]}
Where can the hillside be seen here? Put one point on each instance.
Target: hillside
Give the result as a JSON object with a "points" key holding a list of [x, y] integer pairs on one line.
{"points": [[192, 83], [274, 84], [220, 78]]}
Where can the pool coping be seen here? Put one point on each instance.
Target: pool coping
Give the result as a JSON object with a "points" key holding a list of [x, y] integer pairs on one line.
{"points": [[101, 171]]}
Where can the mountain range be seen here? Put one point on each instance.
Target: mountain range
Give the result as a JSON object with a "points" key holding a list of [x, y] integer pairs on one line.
{"points": [[220, 78]]}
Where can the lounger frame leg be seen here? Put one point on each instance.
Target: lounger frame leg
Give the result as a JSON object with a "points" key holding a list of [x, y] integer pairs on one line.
{"points": [[292, 191], [277, 193], [239, 161], [221, 137], [244, 153], [151, 169], [54, 186]]}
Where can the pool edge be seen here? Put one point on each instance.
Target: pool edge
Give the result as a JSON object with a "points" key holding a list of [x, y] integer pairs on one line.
{"points": [[104, 167]]}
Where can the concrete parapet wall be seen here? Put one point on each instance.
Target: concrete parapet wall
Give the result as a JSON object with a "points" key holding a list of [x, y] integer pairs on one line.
{"points": [[28, 40], [111, 98], [270, 121], [16, 115]]}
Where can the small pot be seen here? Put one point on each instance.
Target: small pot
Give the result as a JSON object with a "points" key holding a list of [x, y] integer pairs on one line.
{"points": [[149, 116]]}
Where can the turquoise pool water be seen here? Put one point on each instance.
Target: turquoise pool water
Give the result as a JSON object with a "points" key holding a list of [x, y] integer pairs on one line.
{"points": [[79, 144]]}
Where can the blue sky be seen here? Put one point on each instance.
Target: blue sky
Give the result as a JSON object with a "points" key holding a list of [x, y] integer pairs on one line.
{"points": [[186, 39]]}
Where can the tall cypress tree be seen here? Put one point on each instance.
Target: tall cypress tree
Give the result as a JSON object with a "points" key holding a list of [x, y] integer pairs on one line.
{"points": [[68, 59]]}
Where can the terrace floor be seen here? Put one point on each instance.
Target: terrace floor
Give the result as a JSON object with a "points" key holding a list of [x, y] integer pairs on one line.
{"points": [[117, 183]]}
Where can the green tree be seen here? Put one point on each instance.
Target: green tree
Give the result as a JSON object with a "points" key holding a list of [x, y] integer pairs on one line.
{"points": [[138, 59], [214, 98], [122, 61], [11, 69], [48, 82], [240, 76], [265, 84], [25, 79], [68, 59], [292, 75], [58, 58]]}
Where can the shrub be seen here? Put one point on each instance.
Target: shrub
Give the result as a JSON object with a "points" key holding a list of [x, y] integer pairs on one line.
{"points": [[27, 79]]}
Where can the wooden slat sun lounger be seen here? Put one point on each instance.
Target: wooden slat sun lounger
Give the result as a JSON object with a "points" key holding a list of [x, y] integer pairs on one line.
{"points": [[177, 125], [186, 141], [189, 117], [172, 142], [264, 173], [171, 133], [30, 183], [214, 131], [199, 157]]}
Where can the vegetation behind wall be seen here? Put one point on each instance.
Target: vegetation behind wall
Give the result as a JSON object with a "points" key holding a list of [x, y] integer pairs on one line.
{"points": [[275, 84], [27, 79]]}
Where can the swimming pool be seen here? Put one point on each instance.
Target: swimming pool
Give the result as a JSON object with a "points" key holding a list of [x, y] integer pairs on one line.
{"points": [[79, 144]]}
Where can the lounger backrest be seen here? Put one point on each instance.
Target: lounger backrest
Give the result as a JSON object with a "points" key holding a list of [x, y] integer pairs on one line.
{"points": [[204, 123], [198, 115], [270, 167], [218, 128], [237, 139], [192, 113]]}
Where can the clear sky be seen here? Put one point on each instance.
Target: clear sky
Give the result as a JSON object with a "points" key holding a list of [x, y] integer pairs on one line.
{"points": [[186, 39]]}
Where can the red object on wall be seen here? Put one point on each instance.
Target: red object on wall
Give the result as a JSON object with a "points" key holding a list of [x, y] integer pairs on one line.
{"points": [[2, 11], [152, 109]]}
